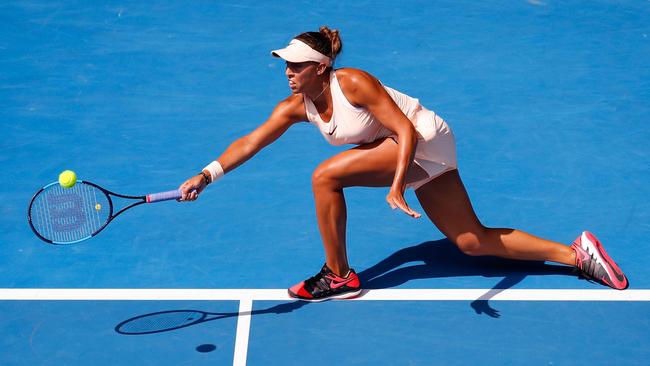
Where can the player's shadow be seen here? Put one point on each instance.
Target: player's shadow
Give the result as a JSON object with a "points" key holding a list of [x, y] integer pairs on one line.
{"points": [[441, 258]]}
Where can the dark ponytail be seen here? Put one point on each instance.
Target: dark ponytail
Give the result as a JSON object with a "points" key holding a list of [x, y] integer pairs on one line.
{"points": [[326, 41]]}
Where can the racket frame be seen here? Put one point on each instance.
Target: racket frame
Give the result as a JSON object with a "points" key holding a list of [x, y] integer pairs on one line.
{"points": [[107, 193]]}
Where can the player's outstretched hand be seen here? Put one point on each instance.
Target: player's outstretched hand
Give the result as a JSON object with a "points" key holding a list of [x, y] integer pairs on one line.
{"points": [[395, 199], [191, 188]]}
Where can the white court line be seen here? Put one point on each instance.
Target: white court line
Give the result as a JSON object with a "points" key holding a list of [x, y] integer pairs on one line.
{"points": [[281, 294], [247, 296], [243, 330]]}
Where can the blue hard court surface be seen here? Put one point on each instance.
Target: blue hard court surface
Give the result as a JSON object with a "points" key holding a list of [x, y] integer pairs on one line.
{"points": [[549, 102]]}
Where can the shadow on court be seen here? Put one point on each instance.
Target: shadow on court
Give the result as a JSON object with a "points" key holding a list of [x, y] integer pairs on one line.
{"points": [[165, 321], [441, 258], [434, 259]]}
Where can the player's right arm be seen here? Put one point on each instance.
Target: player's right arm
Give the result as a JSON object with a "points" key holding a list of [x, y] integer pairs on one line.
{"points": [[285, 114]]}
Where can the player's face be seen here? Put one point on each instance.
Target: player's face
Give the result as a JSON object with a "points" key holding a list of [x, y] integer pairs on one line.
{"points": [[300, 75]]}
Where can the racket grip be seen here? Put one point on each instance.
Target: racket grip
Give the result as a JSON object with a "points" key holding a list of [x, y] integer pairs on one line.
{"points": [[164, 196]]}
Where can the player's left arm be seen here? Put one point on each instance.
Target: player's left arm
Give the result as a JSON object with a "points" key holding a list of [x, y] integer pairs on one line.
{"points": [[364, 90]]}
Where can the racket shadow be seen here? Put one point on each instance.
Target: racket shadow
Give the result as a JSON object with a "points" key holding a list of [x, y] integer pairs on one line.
{"points": [[170, 320], [441, 258]]}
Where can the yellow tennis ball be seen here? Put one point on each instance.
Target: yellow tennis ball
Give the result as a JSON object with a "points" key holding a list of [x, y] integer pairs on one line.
{"points": [[98, 207], [67, 179]]}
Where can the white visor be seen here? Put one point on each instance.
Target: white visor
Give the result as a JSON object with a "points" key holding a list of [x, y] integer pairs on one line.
{"points": [[298, 51]]}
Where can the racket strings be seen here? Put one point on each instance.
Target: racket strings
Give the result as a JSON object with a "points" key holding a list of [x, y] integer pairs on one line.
{"points": [[65, 215]]}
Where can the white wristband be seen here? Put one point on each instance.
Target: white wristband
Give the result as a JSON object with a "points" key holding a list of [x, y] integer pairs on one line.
{"points": [[215, 169]]}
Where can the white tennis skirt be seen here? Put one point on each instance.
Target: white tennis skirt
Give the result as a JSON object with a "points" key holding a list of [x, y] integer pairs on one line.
{"points": [[436, 146]]}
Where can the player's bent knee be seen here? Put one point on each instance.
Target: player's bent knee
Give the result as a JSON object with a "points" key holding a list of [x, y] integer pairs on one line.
{"points": [[469, 243], [324, 177]]}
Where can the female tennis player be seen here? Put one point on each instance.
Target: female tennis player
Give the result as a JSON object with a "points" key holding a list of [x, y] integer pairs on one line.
{"points": [[400, 144]]}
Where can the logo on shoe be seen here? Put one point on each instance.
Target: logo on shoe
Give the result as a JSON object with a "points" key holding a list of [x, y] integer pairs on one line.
{"points": [[620, 277], [335, 285]]}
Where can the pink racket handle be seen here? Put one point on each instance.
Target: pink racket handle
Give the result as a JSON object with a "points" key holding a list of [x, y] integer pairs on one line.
{"points": [[164, 196]]}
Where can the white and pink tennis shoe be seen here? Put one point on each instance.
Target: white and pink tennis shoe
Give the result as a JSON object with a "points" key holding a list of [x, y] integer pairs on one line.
{"points": [[595, 264]]}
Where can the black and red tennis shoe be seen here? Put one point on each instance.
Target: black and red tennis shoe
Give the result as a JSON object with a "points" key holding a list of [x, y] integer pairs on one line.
{"points": [[594, 263], [326, 285]]}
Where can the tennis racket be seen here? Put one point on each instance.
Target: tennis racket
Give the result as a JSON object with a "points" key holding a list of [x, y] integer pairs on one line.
{"points": [[60, 215]]}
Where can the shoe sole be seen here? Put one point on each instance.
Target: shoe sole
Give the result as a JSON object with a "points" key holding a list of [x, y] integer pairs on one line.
{"points": [[608, 261], [344, 296]]}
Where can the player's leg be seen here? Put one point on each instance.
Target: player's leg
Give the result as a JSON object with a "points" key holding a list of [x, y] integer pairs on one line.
{"points": [[447, 204], [370, 165]]}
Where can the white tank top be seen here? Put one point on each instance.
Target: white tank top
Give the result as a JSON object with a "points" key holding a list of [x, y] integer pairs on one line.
{"points": [[353, 125]]}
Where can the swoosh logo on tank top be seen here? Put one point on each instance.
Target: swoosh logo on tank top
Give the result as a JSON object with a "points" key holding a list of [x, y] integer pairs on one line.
{"points": [[332, 132]]}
